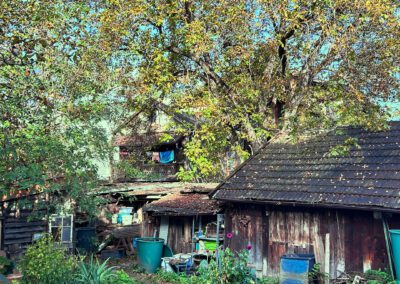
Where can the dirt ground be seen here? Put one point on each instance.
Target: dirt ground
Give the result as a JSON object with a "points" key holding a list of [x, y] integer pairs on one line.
{"points": [[129, 265]]}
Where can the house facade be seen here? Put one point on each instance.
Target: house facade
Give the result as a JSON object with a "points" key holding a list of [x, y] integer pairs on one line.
{"points": [[306, 198]]}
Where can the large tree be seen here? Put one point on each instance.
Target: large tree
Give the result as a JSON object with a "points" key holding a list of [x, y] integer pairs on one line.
{"points": [[55, 87], [247, 69], [237, 72]]}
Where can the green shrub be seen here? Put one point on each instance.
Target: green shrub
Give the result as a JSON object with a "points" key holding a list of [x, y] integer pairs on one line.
{"points": [[268, 280], [378, 277], [316, 274], [232, 268], [6, 265], [121, 277], [170, 277], [46, 262], [94, 272]]}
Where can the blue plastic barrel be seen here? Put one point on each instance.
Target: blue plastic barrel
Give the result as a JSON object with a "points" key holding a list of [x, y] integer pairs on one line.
{"points": [[295, 268], [395, 239]]}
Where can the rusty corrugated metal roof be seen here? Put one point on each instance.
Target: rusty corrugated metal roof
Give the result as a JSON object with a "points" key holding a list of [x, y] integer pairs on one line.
{"points": [[184, 204], [306, 173]]}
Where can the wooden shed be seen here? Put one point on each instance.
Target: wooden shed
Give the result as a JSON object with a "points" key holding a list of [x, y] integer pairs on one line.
{"points": [[178, 216], [17, 229], [305, 197]]}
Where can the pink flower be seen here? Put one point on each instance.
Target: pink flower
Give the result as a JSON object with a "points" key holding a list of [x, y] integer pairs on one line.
{"points": [[229, 235], [248, 247]]}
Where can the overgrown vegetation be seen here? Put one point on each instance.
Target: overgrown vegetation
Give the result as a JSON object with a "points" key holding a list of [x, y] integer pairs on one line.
{"points": [[232, 268], [131, 171], [55, 91], [121, 277], [378, 277], [46, 262], [6, 265], [94, 272], [220, 71], [237, 73], [316, 275]]}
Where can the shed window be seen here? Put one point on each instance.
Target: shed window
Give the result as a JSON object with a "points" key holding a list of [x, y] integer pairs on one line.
{"points": [[61, 228]]}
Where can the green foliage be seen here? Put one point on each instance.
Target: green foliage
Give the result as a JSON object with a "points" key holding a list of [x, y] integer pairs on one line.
{"points": [[131, 172], [233, 73], [121, 277], [268, 280], [55, 90], [316, 274], [233, 268], [378, 277], [6, 265], [344, 148], [94, 272], [221, 72], [46, 262], [170, 277]]}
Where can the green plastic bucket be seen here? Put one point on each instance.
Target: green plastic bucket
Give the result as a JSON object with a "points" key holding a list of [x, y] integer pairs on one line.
{"points": [[149, 252], [395, 239]]}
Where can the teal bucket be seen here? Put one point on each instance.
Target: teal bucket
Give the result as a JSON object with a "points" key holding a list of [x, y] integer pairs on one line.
{"points": [[395, 239], [149, 252]]}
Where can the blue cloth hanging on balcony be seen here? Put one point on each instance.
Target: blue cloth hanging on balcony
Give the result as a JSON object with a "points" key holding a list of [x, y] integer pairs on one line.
{"points": [[167, 157]]}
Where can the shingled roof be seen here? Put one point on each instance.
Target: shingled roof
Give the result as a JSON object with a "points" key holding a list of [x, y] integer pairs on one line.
{"points": [[306, 173], [184, 204]]}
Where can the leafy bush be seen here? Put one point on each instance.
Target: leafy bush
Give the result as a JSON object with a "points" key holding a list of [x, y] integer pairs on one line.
{"points": [[121, 277], [170, 277], [94, 272], [47, 262], [268, 280], [131, 172], [6, 265], [378, 277], [232, 268], [315, 274]]}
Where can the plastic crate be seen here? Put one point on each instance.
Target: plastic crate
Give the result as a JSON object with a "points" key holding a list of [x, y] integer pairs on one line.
{"points": [[295, 268]]}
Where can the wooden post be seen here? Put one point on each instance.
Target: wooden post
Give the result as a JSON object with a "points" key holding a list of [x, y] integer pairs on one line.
{"points": [[193, 243], [219, 221], [319, 251], [388, 245], [327, 257]]}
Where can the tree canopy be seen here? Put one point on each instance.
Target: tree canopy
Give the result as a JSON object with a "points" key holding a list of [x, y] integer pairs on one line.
{"points": [[239, 71], [247, 69], [54, 90]]}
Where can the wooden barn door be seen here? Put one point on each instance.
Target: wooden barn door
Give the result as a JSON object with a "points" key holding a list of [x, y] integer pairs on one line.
{"points": [[249, 227]]}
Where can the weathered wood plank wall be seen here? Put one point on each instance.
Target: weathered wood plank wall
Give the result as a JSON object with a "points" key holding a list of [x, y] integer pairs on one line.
{"points": [[180, 234], [248, 228], [18, 232], [179, 231], [356, 238]]}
